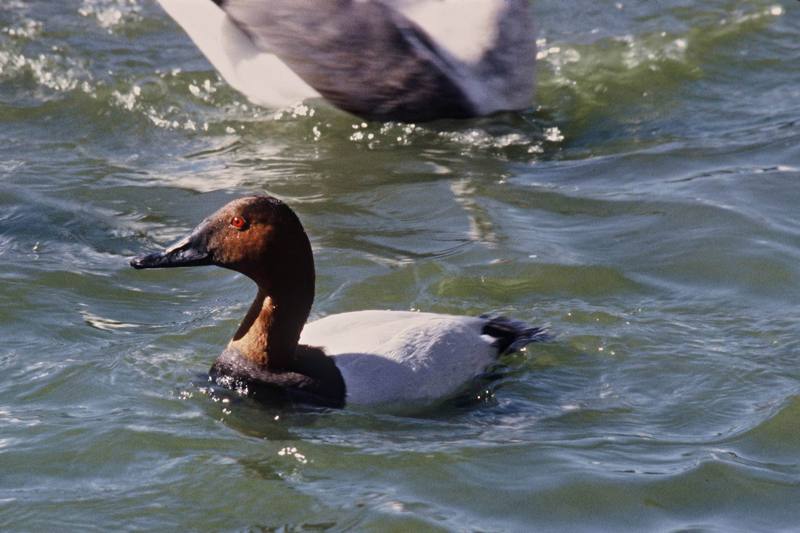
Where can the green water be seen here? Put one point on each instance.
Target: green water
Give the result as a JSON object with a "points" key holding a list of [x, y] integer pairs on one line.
{"points": [[646, 209]]}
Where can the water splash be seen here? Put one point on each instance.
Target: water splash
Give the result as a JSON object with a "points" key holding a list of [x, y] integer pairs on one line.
{"points": [[111, 14], [28, 29], [52, 72]]}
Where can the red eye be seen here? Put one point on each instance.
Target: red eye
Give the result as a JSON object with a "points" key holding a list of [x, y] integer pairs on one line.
{"points": [[238, 222]]}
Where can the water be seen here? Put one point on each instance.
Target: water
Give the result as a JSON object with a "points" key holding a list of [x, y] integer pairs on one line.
{"points": [[646, 210]]}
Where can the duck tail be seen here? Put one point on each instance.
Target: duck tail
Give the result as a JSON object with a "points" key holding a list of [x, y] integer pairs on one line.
{"points": [[512, 335]]}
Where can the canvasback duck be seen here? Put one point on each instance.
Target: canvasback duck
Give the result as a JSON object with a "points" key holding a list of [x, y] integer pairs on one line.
{"points": [[404, 60], [355, 358]]}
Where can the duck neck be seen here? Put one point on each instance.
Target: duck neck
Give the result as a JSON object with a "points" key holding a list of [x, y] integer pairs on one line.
{"points": [[268, 335]]}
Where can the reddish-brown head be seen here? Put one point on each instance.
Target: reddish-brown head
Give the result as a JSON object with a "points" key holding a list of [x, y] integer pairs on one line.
{"points": [[259, 236]]}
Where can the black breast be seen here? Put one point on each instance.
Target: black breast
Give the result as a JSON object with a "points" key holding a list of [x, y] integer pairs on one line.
{"points": [[312, 379]]}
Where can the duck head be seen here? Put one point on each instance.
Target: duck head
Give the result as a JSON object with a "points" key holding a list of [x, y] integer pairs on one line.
{"points": [[259, 236], [262, 238]]}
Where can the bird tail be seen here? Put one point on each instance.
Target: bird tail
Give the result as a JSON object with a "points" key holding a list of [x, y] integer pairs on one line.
{"points": [[512, 335]]}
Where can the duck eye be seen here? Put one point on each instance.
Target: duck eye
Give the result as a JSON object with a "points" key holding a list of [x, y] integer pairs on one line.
{"points": [[238, 222]]}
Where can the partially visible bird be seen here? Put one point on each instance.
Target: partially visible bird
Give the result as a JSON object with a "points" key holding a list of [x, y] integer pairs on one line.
{"points": [[401, 60]]}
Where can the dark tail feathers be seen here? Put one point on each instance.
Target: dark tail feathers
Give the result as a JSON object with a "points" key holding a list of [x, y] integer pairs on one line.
{"points": [[512, 335]]}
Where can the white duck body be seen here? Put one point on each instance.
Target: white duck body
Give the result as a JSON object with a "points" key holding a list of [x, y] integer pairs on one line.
{"points": [[402, 356], [481, 52]]}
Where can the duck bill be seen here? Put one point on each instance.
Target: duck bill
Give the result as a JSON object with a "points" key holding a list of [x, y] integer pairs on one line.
{"points": [[192, 250]]}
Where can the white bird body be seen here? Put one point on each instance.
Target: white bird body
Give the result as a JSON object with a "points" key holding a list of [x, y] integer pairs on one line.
{"points": [[402, 357], [465, 28]]}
